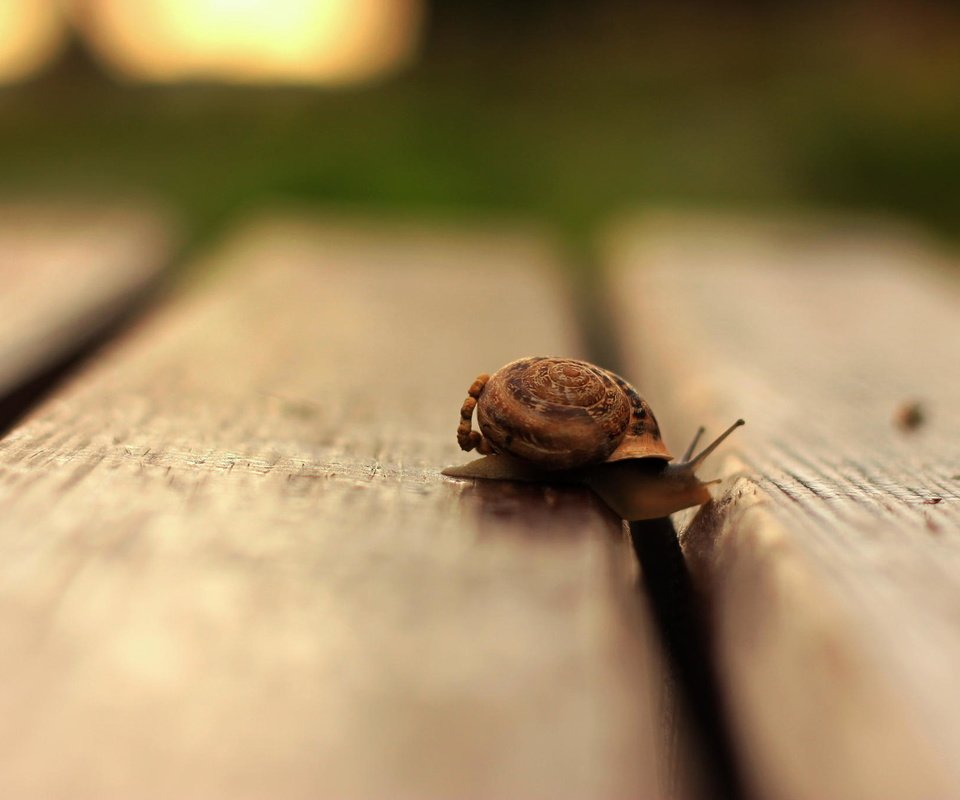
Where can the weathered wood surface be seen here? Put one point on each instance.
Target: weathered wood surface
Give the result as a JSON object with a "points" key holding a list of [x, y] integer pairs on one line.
{"points": [[833, 562], [229, 566], [67, 272]]}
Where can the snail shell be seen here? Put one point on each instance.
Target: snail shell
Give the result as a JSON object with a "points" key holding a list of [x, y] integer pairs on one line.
{"points": [[561, 413]]}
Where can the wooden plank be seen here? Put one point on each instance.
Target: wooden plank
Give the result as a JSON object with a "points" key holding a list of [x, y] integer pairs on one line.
{"points": [[66, 273], [832, 560], [229, 566]]}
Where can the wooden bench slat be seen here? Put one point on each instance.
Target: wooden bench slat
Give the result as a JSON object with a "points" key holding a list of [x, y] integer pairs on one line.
{"points": [[66, 272], [229, 566], [833, 564]]}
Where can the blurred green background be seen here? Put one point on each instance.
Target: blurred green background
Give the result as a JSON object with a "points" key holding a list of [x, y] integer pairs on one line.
{"points": [[565, 113]]}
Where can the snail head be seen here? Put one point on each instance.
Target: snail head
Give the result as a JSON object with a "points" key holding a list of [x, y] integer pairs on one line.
{"points": [[646, 488]]}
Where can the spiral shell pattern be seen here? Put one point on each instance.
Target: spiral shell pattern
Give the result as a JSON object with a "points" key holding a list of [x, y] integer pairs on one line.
{"points": [[561, 413]]}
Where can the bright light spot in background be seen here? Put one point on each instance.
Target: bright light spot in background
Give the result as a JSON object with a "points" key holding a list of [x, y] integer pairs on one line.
{"points": [[31, 33], [260, 41]]}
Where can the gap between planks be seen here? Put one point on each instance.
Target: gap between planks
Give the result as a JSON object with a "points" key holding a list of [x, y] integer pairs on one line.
{"points": [[69, 275]]}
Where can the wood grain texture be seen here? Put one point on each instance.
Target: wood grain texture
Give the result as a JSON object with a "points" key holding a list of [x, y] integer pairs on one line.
{"points": [[229, 566], [66, 273], [832, 558]]}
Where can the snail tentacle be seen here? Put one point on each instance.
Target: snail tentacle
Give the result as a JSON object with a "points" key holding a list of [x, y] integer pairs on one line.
{"points": [[695, 462], [693, 445]]}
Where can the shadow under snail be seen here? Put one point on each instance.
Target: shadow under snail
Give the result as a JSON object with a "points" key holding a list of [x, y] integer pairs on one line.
{"points": [[564, 420]]}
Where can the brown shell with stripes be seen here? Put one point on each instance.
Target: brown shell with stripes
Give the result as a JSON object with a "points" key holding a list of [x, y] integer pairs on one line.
{"points": [[562, 413]]}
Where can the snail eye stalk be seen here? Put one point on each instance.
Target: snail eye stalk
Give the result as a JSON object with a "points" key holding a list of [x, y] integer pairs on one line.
{"points": [[702, 456], [693, 445]]}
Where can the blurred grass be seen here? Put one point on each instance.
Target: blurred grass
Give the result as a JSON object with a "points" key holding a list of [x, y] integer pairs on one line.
{"points": [[565, 131]]}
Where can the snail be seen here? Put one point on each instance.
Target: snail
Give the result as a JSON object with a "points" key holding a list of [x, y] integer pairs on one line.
{"points": [[565, 420]]}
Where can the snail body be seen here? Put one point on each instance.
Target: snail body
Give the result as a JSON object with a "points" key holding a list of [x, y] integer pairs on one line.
{"points": [[569, 420]]}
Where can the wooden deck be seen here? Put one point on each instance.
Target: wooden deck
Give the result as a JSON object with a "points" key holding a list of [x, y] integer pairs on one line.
{"points": [[230, 567]]}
